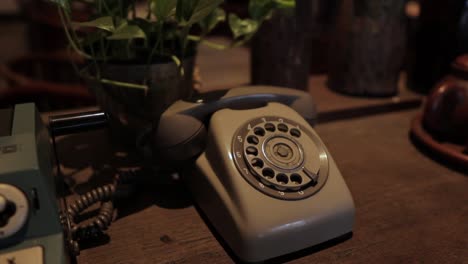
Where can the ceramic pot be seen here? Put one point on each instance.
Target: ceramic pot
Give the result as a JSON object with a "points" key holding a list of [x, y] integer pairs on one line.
{"points": [[446, 108]]}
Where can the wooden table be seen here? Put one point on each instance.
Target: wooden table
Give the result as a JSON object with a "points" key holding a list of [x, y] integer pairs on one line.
{"points": [[409, 208]]}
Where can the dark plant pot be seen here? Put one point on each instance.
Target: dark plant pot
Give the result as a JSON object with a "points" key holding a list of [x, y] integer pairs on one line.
{"points": [[281, 49], [133, 112], [368, 47]]}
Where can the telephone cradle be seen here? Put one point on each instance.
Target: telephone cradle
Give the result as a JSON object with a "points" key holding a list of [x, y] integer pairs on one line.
{"points": [[259, 172]]}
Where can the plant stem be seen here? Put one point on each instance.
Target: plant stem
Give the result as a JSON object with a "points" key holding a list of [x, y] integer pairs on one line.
{"points": [[148, 15], [179, 64], [121, 9], [69, 37], [103, 49], [75, 67], [107, 8], [185, 33], [98, 70], [153, 50], [73, 33], [124, 84]]}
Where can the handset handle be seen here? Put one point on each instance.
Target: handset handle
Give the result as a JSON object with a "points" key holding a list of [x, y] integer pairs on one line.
{"points": [[181, 131], [246, 97]]}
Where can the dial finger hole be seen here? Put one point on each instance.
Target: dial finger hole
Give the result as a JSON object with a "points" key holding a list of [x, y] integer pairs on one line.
{"points": [[268, 173], [257, 163], [270, 127], [296, 178], [251, 151], [259, 131], [252, 140], [295, 132], [282, 127], [282, 178]]}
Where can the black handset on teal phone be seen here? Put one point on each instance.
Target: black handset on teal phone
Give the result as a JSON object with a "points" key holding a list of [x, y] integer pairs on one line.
{"points": [[261, 174]]}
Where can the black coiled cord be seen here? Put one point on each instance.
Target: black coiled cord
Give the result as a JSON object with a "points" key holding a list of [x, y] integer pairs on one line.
{"points": [[100, 194], [122, 187]]}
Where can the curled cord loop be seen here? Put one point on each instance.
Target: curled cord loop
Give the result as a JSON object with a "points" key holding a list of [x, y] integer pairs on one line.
{"points": [[122, 187]]}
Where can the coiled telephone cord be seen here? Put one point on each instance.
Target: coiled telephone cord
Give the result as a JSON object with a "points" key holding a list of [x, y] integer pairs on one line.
{"points": [[122, 186]]}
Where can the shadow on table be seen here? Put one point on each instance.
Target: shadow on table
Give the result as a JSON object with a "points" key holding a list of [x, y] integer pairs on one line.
{"points": [[91, 160]]}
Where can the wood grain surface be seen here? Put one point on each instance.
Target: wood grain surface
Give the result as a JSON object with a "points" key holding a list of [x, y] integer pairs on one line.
{"points": [[409, 207]]}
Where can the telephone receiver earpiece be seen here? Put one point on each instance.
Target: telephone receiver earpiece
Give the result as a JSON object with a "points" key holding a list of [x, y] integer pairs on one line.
{"points": [[181, 132]]}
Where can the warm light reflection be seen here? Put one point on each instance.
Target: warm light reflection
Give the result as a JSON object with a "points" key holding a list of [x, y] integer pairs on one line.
{"points": [[289, 226]]}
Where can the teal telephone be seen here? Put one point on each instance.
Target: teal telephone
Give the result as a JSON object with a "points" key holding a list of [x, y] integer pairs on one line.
{"points": [[30, 227]]}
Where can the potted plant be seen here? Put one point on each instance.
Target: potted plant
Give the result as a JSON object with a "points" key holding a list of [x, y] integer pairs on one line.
{"points": [[140, 54]]}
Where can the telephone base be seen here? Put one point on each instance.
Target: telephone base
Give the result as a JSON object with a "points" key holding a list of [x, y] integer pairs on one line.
{"points": [[253, 241], [259, 225]]}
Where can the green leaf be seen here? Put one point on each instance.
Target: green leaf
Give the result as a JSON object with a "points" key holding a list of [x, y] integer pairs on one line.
{"points": [[163, 9], [209, 22], [203, 9], [285, 3], [105, 23], [261, 9], [64, 4], [146, 25], [179, 64], [190, 12], [242, 27], [126, 31], [184, 9]]}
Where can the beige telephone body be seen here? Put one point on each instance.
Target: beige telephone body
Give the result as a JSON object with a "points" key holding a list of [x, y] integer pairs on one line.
{"points": [[266, 181]]}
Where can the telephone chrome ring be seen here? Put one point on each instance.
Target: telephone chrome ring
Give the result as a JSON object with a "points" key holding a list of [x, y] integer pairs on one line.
{"points": [[283, 152], [279, 158]]}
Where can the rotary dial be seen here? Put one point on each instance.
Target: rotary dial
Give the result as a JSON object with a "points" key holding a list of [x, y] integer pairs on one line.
{"points": [[280, 158]]}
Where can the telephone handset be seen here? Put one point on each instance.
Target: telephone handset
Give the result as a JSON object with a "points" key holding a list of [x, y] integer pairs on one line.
{"points": [[188, 117], [263, 178]]}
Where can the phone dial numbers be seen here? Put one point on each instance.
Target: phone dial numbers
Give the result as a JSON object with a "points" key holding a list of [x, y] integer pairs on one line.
{"points": [[280, 158]]}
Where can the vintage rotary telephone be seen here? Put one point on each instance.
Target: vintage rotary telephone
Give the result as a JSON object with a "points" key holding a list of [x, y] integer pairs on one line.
{"points": [[263, 177]]}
